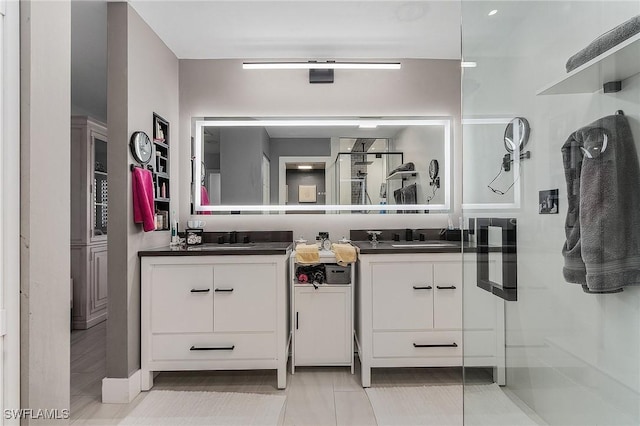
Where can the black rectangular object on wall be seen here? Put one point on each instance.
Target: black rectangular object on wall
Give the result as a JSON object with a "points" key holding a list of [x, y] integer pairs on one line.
{"points": [[509, 288]]}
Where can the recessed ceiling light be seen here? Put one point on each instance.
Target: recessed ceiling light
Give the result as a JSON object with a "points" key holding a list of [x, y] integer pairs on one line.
{"points": [[305, 167], [493, 12]]}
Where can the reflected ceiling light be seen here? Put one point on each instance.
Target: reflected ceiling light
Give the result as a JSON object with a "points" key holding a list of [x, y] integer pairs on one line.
{"points": [[367, 125], [493, 12], [321, 65], [468, 64], [305, 167]]}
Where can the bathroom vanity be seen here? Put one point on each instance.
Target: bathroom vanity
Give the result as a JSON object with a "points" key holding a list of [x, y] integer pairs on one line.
{"points": [[215, 307], [409, 305]]}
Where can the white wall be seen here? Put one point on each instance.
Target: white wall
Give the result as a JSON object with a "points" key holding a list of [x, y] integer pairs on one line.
{"points": [[217, 88], [142, 79], [571, 356], [45, 203]]}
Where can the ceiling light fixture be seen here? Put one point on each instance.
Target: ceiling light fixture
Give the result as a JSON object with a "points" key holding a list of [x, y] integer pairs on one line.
{"points": [[305, 167], [493, 12], [321, 65], [321, 72], [468, 64]]}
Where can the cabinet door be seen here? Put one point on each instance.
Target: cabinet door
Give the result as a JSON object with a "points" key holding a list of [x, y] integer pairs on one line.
{"points": [[181, 299], [244, 297], [402, 296], [99, 282], [447, 277], [322, 324]]}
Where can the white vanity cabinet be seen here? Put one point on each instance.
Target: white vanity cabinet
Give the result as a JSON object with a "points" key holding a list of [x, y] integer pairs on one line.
{"points": [[322, 320], [214, 313], [409, 311]]}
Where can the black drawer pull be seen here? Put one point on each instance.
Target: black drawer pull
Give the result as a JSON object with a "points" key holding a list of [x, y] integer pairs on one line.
{"points": [[451, 287], [200, 290], [297, 322], [426, 287], [216, 348], [444, 345], [228, 290]]}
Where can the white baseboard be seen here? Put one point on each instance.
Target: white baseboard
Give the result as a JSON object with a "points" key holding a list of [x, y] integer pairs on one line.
{"points": [[120, 391]]}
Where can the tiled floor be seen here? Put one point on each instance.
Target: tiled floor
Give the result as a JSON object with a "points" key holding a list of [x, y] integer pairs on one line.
{"points": [[315, 395]]}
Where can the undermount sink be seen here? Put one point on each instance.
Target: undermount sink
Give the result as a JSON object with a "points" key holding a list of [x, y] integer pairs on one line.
{"points": [[410, 244]]}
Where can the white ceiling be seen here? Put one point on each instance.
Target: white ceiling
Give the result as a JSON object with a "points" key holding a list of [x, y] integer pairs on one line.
{"points": [[300, 29], [305, 29]]}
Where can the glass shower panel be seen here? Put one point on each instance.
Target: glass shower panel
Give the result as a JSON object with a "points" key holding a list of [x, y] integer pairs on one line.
{"points": [[549, 338]]}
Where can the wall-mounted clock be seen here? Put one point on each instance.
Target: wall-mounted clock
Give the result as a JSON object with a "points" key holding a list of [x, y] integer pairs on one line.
{"points": [[141, 147]]}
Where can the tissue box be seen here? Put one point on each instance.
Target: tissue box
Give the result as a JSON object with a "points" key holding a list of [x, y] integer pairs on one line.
{"points": [[193, 236]]}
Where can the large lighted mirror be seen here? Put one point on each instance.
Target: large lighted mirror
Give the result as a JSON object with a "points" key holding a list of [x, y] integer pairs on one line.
{"points": [[319, 165]]}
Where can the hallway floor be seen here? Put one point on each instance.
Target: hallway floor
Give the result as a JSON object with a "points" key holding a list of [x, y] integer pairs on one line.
{"points": [[315, 395]]}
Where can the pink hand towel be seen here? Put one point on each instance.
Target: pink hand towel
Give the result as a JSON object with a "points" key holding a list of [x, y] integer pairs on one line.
{"points": [[204, 199], [142, 189]]}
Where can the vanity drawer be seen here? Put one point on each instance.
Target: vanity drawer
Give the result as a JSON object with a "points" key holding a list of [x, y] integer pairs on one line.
{"points": [[411, 344], [447, 302], [181, 299], [177, 347]]}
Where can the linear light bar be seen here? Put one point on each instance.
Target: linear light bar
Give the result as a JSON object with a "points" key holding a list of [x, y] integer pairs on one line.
{"points": [[468, 64], [305, 167], [349, 122], [321, 65]]}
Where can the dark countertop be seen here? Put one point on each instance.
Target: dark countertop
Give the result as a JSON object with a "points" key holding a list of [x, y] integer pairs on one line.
{"points": [[386, 247], [214, 249]]}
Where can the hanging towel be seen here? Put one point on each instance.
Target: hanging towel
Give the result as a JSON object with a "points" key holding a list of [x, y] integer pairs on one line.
{"points": [[345, 253], [602, 250], [142, 189], [204, 199], [307, 253]]}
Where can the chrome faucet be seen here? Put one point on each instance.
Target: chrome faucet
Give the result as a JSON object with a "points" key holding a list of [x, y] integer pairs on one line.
{"points": [[374, 237]]}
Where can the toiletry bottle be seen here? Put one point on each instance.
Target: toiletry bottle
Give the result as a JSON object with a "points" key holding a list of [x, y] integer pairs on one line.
{"points": [[174, 229]]}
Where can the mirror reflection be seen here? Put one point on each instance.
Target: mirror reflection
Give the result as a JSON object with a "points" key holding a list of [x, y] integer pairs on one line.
{"points": [[347, 165]]}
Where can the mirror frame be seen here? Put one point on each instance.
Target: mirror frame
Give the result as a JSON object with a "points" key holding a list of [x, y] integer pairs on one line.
{"points": [[362, 122]]}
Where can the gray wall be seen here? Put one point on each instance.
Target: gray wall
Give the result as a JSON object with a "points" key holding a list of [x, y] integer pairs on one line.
{"points": [[45, 204], [294, 147], [241, 151], [142, 79], [221, 88], [296, 178]]}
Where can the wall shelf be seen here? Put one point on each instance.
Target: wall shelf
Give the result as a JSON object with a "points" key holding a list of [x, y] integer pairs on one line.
{"points": [[616, 64], [402, 175]]}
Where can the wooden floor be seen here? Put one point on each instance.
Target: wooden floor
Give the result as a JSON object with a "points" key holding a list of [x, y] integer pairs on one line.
{"points": [[315, 395]]}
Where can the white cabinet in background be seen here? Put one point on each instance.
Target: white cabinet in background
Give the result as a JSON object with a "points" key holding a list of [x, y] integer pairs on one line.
{"points": [[89, 216], [409, 311], [214, 313]]}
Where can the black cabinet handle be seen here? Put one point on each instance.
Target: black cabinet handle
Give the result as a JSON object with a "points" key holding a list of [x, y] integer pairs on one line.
{"points": [[200, 290], [443, 345], [228, 290], [297, 320], [426, 287], [451, 287], [215, 348]]}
